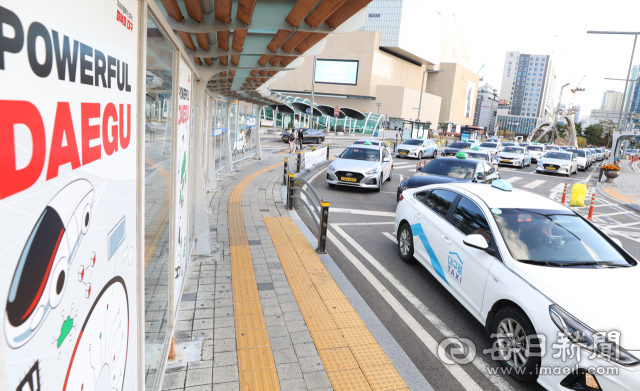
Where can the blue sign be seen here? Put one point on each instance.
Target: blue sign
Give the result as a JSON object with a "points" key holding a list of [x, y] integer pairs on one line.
{"points": [[308, 111]]}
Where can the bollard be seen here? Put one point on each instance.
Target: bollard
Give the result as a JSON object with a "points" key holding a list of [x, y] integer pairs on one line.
{"points": [[299, 161], [313, 148], [284, 176], [328, 146], [593, 202], [290, 191], [395, 145], [322, 230], [419, 166], [564, 193]]}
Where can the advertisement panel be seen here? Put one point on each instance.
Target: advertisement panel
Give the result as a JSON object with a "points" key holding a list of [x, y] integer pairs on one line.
{"points": [[68, 195], [469, 96], [337, 71], [315, 157], [180, 228]]}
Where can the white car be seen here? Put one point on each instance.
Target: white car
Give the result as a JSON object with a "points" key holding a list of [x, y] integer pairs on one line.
{"points": [[418, 148], [536, 151], [514, 156], [599, 154], [561, 162], [582, 158], [491, 146], [366, 166], [539, 277]]}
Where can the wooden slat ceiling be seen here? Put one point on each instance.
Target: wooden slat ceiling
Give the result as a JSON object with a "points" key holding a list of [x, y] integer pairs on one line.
{"points": [[312, 12]]}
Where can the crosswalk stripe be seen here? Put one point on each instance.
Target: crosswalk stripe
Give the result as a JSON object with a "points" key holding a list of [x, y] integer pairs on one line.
{"points": [[533, 184], [558, 189], [514, 179]]}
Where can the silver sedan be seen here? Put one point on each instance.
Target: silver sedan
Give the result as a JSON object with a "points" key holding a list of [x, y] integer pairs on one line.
{"points": [[365, 166]]}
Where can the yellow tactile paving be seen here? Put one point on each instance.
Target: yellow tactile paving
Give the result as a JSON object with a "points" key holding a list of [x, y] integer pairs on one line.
{"points": [[153, 233], [255, 359], [619, 196], [351, 356]]}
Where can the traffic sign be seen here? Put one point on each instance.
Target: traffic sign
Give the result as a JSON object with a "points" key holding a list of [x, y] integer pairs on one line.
{"points": [[336, 111], [308, 111]]}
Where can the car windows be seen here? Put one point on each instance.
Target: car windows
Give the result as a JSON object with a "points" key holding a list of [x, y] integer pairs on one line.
{"points": [[489, 168], [422, 196], [440, 201], [469, 219], [480, 170], [453, 168]]}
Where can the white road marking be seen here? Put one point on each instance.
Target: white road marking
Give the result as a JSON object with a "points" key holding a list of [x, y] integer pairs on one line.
{"points": [[383, 222], [390, 236], [587, 179], [362, 212], [478, 362], [533, 184], [514, 179], [456, 371]]}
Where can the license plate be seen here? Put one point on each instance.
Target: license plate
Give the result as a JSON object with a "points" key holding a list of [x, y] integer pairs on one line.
{"points": [[506, 161], [347, 179], [550, 168], [403, 153]]}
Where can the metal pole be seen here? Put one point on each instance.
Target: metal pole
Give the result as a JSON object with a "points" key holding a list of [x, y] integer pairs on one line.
{"points": [[322, 229], [421, 88], [284, 176], [290, 191], [299, 158], [626, 83], [313, 86]]}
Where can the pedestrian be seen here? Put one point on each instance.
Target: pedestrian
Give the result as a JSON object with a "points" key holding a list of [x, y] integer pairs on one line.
{"points": [[300, 137], [293, 140]]}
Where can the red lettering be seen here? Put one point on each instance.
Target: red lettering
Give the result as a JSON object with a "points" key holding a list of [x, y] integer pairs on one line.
{"points": [[124, 140], [12, 113], [90, 132], [60, 155], [110, 146]]}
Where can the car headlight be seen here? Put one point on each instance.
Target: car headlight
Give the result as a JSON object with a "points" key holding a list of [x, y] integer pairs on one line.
{"points": [[331, 168], [371, 172], [588, 339], [565, 166]]}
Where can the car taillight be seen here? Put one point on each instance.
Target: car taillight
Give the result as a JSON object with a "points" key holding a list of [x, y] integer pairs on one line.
{"points": [[400, 197]]}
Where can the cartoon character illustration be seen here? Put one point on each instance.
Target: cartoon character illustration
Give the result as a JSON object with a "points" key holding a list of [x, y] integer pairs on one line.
{"points": [[40, 278], [99, 358]]}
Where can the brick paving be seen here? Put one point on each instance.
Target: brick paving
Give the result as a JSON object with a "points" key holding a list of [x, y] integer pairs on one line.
{"points": [[626, 188]]}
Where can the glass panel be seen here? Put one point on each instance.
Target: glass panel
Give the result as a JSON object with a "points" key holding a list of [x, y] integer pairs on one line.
{"points": [[222, 149], [233, 130], [158, 117], [240, 140]]}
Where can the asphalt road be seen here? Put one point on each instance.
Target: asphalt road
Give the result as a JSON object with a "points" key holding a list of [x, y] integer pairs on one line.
{"points": [[421, 313]]}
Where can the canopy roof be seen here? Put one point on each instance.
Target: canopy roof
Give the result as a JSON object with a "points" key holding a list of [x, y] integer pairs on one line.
{"points": [[243, 45], [303, 108], [353, 113]]}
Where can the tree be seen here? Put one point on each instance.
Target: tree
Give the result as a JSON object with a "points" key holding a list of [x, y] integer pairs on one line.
{"points": [[600, 133], [579, 130], [562, 130]]}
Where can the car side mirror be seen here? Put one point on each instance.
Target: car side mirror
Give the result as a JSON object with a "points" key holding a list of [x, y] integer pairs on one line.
{"points": [[385, 160], [481, 177], [476, 241], [337, 155], [617, 241]]}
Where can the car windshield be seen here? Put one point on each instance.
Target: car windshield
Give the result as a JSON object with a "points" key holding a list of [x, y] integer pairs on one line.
{"points": [[460, 145], [553, 149], [489, 145], [478, 156], [534, 148], [577, 152], [371, 155], [513, 150], [509, 144], [558, 155], [455, 169], [413, 142], [555, 239], [599, 150], [372, 142]]}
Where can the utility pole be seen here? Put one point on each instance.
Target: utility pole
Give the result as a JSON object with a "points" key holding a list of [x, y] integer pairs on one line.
{"points": [[378, 104], [313, 87]]}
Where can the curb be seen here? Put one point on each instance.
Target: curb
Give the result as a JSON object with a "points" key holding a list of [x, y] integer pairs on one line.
{"points": [[602, 193], [398, 357]]}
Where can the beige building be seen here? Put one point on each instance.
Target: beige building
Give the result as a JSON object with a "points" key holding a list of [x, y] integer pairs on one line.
{"points": [[383, 79], [611, 101], [457, 86]]}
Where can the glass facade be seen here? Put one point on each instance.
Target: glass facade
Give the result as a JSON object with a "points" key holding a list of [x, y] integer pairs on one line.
{"points": [[384, 16], [518, 124], [158, 130]]}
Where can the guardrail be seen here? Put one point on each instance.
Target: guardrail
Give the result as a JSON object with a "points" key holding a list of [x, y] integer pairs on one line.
{"points": [[316, 206]]}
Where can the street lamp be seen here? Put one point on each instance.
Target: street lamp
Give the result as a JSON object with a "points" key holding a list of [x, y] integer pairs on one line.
{"points": [[627, 115], [378, 104]]}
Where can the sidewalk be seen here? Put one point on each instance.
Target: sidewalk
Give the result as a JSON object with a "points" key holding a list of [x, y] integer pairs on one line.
{"points": [[266, 314], [626, 189]]}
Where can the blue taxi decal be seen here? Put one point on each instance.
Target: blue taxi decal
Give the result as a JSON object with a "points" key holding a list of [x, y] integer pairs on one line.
{"points": [[454, 266], [417, 230]]}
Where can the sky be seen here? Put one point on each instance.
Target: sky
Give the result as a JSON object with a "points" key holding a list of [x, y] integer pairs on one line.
{"points": [[558, 28]]}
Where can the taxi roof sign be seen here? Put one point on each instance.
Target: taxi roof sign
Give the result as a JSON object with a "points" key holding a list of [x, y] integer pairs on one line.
{"points": [[476, 148], [462, 155], [502, 184], [367, 143]]}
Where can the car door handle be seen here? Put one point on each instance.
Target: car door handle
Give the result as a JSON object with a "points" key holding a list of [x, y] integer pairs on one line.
{"points": [[446, 239], [418, 215]]}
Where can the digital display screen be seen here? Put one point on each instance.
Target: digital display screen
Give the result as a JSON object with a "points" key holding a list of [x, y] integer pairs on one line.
{"points": [[337, 72]]}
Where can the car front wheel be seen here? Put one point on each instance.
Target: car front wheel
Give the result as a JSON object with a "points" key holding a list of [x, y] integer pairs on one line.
{"points": [[405, 243], [420, 155], [379, 183], [515, 344]]}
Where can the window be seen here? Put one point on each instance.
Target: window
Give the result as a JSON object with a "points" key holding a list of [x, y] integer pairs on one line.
{"points": [[440, 201], [469, 219]]}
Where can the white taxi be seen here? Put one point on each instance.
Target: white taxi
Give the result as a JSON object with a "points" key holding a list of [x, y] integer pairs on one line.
{"points": [[538, 276], [367, 166]]}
